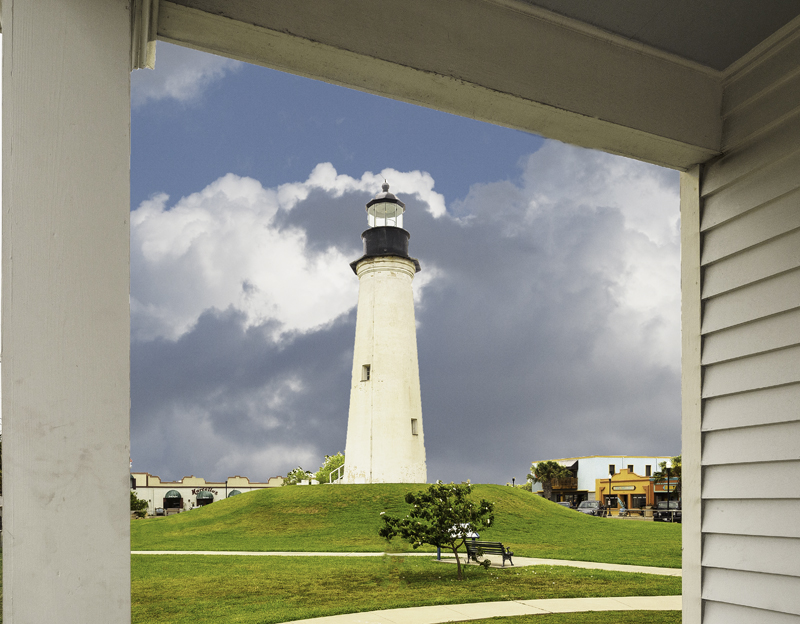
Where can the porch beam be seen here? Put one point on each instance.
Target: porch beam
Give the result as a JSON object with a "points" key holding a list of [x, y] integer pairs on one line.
{"points": [[500, 61]]}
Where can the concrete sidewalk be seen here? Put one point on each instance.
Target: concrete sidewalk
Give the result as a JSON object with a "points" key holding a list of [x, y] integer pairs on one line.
{"points": [[518, 561], [482, 610]]}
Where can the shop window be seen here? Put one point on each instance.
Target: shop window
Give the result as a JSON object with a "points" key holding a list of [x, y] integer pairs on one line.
{"points": [[637, 501]]}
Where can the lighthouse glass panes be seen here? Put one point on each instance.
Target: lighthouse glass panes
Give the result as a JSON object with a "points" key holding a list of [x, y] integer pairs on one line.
{"points": [[381, 214]]}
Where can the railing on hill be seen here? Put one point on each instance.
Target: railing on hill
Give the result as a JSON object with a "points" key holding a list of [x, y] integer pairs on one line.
{"points": [[340, 477]]}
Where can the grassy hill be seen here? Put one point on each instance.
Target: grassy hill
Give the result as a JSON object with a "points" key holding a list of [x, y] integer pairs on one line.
{"points": [[345, 518]]}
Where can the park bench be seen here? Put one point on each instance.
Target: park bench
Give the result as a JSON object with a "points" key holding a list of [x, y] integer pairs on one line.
{"points": [[474, 549]]}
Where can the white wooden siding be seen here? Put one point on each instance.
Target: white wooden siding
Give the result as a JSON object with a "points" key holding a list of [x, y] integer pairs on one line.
{"points": [[722, 613], [763, 443], [750, 258], [753, 589], [768, 518], [779, 404], [774, 555], [766, 334]]}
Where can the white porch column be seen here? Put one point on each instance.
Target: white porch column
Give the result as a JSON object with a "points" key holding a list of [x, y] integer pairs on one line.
{"points": [[65, 312], [691, 401]]}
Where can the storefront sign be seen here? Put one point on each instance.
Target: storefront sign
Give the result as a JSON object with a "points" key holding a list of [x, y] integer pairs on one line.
{"points": [[196, 490], [623, 488]]}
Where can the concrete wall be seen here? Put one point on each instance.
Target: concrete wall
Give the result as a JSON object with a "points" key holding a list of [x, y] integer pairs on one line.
{"points": [[748, 433], [381, 447]]}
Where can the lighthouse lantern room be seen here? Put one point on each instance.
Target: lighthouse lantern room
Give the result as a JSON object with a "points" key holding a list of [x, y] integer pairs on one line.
{"points": [[385, 210]]}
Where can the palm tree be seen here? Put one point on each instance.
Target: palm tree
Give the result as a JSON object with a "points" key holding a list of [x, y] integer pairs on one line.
{"points": [[674, 473], [544, 472]]}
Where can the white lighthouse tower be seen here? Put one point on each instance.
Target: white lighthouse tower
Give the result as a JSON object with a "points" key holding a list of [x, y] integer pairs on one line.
{"points": [[385, 441]]}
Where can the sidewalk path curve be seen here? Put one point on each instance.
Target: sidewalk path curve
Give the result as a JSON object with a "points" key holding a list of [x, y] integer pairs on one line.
{"points": [[481, 610]]}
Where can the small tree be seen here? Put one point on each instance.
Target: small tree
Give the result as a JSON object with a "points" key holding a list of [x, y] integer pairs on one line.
{"points": [[544, 473], [296, 476], [138, 506], [442, 516], [331, 463]]}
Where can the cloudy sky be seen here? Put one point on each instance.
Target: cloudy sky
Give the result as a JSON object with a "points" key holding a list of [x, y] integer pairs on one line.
{"points": [[547, 307]]}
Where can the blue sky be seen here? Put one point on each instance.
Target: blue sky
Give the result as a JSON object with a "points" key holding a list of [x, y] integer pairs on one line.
{"points": [[547, 306], [277, 127]]}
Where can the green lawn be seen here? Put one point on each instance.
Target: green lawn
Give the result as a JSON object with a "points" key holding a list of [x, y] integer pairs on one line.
{"points": [[199, 589], [345, 518]]}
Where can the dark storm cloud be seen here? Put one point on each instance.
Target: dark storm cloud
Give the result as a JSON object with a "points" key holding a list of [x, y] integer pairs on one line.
{"points": [[222, 394], [510, 339], [329, 221]]}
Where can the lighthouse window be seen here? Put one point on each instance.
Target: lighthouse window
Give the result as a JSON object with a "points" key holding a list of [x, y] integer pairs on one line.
{"points": [[414, 426], [365, 372]]}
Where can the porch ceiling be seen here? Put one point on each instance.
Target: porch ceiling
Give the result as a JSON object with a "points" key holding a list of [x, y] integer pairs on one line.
{"points": [[714, 33]]}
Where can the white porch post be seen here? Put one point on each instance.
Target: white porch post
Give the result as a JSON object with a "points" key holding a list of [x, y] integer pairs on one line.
{"points": [[691, 403], [65, 311]]}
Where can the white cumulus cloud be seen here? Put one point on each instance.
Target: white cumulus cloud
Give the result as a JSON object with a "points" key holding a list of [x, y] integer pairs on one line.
{"points": [[223, 247], [324, 177], [180, 74]]}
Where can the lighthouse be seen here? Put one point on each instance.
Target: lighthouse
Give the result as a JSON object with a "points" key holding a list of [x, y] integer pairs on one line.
{"points": [[385, 440]]}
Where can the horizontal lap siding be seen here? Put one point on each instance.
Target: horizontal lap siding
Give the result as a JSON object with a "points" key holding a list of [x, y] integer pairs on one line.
{"points": [[766, 334], [771, 592], [722, 613], [760, 407], [750, 223], [763, 443], [774, 555], [775, 517]]}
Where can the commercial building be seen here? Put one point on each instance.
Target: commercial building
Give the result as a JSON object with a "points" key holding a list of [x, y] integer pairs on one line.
{"points": [[634, 492], [191, 492], [588, 471]]}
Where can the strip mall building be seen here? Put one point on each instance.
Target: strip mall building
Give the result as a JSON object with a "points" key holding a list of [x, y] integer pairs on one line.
{"points": [[590, 475], [191, 492]]}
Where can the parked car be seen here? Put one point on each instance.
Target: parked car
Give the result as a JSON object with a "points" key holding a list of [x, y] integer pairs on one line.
{"points": [[668, 511], [565, 504], [160, 511], [591, 508]]}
